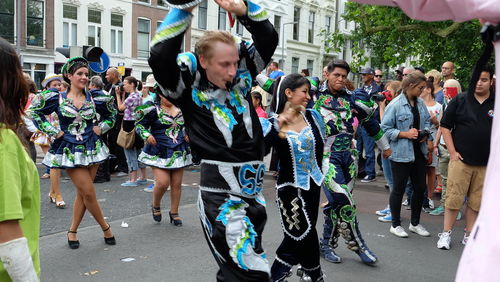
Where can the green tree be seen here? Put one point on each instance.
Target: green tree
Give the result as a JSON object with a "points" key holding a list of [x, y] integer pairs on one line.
{"points": [[392, 38]]}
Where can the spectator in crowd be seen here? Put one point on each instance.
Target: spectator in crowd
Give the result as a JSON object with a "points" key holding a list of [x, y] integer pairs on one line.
{"points": [[407, 71], [325, 74], [147, 89], [438, 90], [466, 128], [118, 163], [148, 95], [274, 71], [304, 72], [378, 79], [364, 141], [450, 86], [406, 123], [64, 86], [399, 73], [131, 87], [19, 183], [435, 111], [393, 88], [97, 85], [448, 70], [420, 69], [257, 104]]}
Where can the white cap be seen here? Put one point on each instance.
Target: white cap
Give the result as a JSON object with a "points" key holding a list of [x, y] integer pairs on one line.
{"points": [[51, 77], [150, 81]]}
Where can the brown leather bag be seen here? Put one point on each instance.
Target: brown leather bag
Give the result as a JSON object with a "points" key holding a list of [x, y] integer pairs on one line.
{"points": [[126, 139]]}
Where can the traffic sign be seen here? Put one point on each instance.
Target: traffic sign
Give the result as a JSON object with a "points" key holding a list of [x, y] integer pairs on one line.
{"points": [[102, 66]]}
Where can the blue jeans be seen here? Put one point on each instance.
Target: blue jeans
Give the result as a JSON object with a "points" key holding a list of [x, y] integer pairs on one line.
{"points": [[386, 165], [132, 162], [367, 142]]}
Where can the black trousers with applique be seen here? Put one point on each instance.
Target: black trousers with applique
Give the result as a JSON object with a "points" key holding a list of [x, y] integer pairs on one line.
{"points": [[298, 213]]}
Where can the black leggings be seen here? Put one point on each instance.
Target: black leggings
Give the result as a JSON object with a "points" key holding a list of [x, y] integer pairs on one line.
{"points": [[400, 173]]}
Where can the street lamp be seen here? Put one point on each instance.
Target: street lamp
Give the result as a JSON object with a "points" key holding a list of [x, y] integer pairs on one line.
{"points": [[283, 41]]}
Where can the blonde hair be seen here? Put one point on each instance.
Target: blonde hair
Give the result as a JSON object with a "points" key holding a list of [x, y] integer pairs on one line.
{"points": [[204, 47], [436, 74], [453, 83], [394, 85]]}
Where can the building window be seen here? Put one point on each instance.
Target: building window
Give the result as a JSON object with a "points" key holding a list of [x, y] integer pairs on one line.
{"points": [[34, 22], [277, 24], [94, 16], [162, 3], [222, 19], [158, 24], [144, 1], [117, 20], [37, 72], [70, 17], [94, 30], [7, 20], [328, 24], [239, 28], [295, 65], [202, 15], [143, 28], [94, 36], [310, 34], [310, 67], [296, 18], [116, 34]]}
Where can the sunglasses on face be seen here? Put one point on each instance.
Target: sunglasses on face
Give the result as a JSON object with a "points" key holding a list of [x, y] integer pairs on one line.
{"points": [[378, 75]]}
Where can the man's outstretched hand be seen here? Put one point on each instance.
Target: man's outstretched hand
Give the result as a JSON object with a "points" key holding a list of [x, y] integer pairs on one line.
{"points": [[236, 7]]}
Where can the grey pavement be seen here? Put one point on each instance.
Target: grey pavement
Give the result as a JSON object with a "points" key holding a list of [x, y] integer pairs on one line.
{"points": [[147, 251]]}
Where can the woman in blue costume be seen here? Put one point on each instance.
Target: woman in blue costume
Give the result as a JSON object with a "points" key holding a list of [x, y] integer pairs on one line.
{"points": [[297, 135], [161, 125], [77, 146]]}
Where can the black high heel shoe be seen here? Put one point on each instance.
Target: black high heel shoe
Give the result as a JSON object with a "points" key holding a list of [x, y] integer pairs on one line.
{"points": [[110, 240], [156, 211], [73, 244], [175, 219]]}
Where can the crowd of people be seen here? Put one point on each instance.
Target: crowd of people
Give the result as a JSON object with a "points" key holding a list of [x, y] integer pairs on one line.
{"points": [[431, 138]]}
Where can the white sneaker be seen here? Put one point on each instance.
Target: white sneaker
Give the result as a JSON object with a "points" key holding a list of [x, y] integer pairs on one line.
{"points": [[399, 231], [406, 203], [444, 240], [420, 230], [431, 204]]}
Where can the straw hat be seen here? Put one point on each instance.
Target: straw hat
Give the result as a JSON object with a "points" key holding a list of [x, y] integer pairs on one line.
{"points": [[51, 77]]}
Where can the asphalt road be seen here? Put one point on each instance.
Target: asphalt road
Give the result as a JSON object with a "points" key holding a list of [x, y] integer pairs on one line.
{"points": [[147, 251]]}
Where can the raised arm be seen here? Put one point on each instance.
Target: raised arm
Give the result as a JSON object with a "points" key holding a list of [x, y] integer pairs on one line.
{"points": [[165, 47], [264, 36]]}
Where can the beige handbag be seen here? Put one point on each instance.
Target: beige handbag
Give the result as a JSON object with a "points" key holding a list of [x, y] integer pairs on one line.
{"points": [[126, 139]]}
